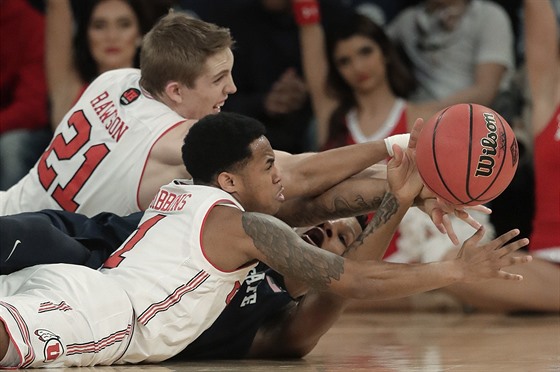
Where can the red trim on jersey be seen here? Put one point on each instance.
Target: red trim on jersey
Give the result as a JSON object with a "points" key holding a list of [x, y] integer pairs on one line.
{"points": [[174, 298], [97, 346], [146, 162], [24, 332]]}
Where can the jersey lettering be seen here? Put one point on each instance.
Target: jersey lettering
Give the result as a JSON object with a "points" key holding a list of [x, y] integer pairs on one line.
{"points": [[117, 257], [63, 150]]}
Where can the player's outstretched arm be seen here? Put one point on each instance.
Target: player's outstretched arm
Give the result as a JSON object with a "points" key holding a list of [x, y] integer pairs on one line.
{"points": [[279, 247], [356, 195], [310, 174], [359, 194]]}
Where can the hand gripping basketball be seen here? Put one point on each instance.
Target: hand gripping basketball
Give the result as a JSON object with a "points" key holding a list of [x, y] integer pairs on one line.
{"points": [[467, 154]]}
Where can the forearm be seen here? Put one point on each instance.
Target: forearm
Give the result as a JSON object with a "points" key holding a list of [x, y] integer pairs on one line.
{"points": [[63, 81], [315, 69], [311, 174], [484, 89], [357, 195], [298, 332], [284, 251], [372, 243], [541, 49], [380, 280]]}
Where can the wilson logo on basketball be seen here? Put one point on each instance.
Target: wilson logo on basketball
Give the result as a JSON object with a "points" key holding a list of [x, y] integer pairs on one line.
{"points": [[489, 145]]}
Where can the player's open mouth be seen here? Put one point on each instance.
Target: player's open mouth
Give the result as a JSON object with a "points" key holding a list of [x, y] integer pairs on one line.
{"points": [[314, 236], [280, 195], [218, 107]]}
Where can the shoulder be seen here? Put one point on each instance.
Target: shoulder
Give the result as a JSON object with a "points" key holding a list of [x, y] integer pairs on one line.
{"points": [[404, 21], [114, 79], [488, 12], [120, 73]]}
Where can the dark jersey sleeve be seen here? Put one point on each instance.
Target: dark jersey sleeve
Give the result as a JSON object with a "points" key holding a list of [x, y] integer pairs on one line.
{"points": [[50, 236]]}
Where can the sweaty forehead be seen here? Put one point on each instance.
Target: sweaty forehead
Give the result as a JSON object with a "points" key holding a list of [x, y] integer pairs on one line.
{"points": [[219, 62], [261, 146]]}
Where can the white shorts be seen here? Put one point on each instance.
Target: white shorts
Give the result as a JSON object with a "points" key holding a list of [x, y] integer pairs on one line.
{"points": [[62, 315]]}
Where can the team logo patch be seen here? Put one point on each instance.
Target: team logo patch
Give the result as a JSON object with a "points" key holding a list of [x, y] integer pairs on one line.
{"points": [[53, 347], [130, 95]]}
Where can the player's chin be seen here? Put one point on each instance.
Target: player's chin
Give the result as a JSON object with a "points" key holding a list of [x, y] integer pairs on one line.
{"points": [[274, 207]]}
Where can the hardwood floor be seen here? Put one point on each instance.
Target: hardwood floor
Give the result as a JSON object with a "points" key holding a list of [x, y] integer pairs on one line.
{"points": [[406, 341]]}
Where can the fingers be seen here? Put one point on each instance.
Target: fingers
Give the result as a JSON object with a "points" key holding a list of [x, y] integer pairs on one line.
{"points": [[397, 157], [514, 261], [415, 133], [503, 239], [472, 222], [437, 219], [466, 217], [477, 236], [514, 246], [449, 229], [509, 276], [460, 213], [480, 208]]}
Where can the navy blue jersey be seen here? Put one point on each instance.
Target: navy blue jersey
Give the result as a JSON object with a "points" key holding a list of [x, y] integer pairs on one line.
{"points": [[261, 297], [50, 236]]}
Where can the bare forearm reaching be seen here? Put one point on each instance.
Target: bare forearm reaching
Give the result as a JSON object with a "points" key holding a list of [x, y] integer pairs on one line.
{"points": [[284, 251], [310, 174]]}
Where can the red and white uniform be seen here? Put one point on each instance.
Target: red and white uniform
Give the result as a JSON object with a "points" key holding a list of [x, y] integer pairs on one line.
{"points": [[545, 237], [158, 286], [103, 141], [175, 291], [62, 315]]}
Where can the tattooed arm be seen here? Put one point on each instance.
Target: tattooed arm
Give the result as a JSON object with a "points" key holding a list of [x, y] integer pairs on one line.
{"points": [[362, 193], [357, 195], [297, 332], [279, 247]]}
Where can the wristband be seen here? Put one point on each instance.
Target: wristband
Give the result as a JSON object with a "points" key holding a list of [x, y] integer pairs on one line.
{"points": [[306, 12], [398, 139]]}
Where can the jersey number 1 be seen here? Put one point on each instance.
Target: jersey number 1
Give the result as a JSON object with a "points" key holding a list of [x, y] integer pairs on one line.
{"points": [[63, 150], [117, 256]]}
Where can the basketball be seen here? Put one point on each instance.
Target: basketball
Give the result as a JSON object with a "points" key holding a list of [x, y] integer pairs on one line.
{"points": [[467, 154]]}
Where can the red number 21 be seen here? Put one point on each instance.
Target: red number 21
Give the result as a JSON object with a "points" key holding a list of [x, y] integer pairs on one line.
{"points": [[63, 150]]}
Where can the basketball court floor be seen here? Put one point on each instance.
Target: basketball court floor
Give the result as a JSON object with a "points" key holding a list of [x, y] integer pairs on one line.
{"points": [[410, 341]]}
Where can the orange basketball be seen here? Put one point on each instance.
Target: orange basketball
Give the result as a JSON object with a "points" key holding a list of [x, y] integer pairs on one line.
{"points": [[467, 154]]}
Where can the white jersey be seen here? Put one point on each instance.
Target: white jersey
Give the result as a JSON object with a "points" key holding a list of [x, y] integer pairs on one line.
{"points": [[62, 315], [154, 296], [98, 153], [175, 292]]}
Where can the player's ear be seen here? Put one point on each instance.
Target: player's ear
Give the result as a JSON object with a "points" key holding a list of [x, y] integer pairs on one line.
{"points": [[173, 91], [227, 182]]}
